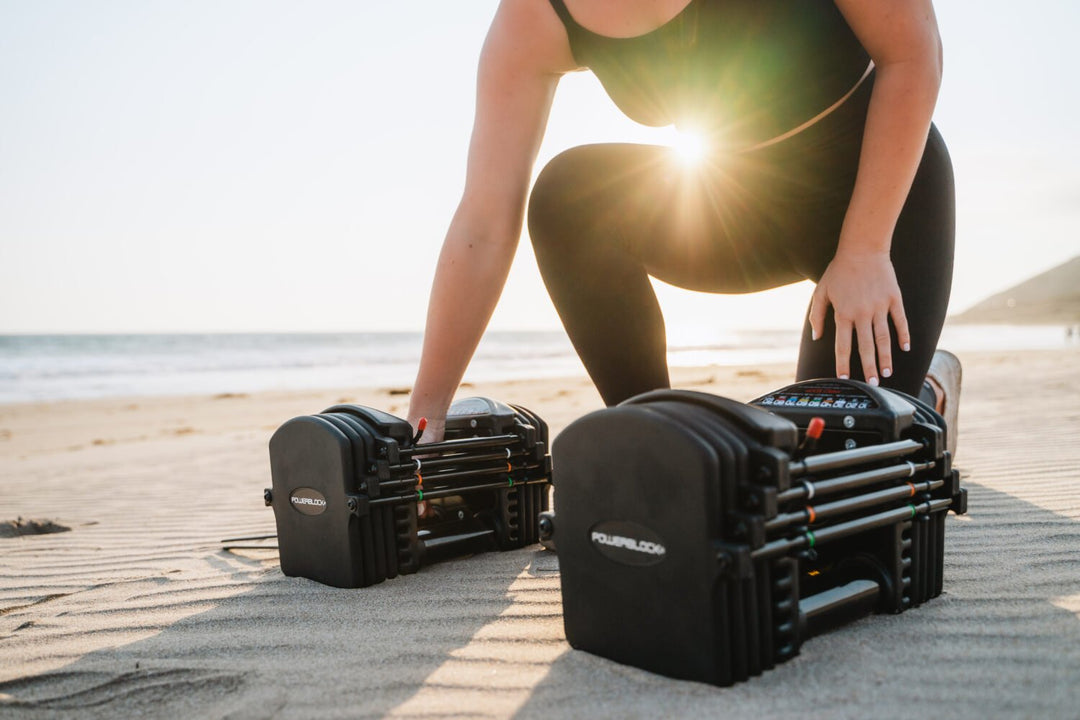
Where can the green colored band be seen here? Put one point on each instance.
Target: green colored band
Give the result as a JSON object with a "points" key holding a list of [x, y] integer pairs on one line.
{"points": [[420, 493], [811, 538]]}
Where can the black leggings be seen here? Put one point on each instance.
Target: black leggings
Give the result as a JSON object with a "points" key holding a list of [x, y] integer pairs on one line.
{"points": [[603, 218]]}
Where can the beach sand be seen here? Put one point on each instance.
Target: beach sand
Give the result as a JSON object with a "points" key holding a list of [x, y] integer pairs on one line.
{"points": [[137, 611]]}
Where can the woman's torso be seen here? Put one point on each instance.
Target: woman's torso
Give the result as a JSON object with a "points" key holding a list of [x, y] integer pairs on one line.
{"points": [[742, 70]]}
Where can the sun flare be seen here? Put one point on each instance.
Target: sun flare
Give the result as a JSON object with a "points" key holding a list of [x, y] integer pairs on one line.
{"points": [[689, 146]]}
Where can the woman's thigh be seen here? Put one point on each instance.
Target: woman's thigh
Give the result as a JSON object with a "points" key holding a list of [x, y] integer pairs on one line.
{"points": [[732, 223]]}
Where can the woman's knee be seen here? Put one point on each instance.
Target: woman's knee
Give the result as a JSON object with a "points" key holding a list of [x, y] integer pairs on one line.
{"points": [[557, 207], [585, 188]]}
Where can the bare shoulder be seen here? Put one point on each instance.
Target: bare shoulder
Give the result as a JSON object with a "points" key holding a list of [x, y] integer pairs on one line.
{"points": [[529, 35]]}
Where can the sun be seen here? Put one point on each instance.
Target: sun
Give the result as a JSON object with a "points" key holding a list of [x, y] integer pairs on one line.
{"points": [[690, 147]]}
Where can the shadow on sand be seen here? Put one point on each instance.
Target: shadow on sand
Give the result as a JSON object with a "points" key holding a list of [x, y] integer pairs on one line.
{"points": [[287, 647]]}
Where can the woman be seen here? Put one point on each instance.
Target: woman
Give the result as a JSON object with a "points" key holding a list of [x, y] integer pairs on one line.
{"points": [[822, 164]]}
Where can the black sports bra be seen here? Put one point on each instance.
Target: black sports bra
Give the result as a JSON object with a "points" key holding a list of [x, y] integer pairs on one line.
{"points": [[748, 70]]}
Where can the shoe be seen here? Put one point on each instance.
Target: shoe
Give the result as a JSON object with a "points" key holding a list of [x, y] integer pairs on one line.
{"points": [[546, 523], [946, 372]]}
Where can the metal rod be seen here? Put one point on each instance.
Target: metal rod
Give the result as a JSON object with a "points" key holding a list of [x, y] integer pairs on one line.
{"points": [[446, 492], [853, 527], [250, 547], [461, 444], [814, 538], [451, 460], [834, 485], [869, 500], [817, 513], [843, 458], [939, 505], [435, 479]]}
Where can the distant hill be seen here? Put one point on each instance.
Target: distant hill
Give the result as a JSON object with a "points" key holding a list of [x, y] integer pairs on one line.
{"points": [[1052, 297]]}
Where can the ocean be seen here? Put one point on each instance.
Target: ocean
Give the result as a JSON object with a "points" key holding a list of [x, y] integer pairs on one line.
{"points": [[60, 367]]}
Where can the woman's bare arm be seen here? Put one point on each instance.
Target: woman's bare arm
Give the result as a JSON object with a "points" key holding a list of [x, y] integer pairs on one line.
{"points": [[525, 52], [902, 38]]}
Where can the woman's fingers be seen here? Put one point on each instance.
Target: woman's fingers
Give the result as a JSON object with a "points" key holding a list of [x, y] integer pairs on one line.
{"points": [[903, 335], [842, 348], [874, 341], [865, 333], [819, 303], [883, 343]]}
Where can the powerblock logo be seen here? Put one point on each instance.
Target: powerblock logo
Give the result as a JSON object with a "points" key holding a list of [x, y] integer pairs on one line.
{"points": [[621, 541], [308, 501], [628, 543]]}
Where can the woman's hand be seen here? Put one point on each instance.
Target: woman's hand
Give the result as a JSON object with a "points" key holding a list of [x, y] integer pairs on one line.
{"points": [[863, 292]]}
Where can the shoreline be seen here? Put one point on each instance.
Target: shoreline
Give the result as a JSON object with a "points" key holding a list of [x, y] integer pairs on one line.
{"points": [[62, 368]]}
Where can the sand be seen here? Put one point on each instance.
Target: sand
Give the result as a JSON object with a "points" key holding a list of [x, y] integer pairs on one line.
{"points": [[137, 611]]}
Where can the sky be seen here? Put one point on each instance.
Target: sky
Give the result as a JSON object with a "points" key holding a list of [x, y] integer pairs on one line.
{"points": [[260, 165]]}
